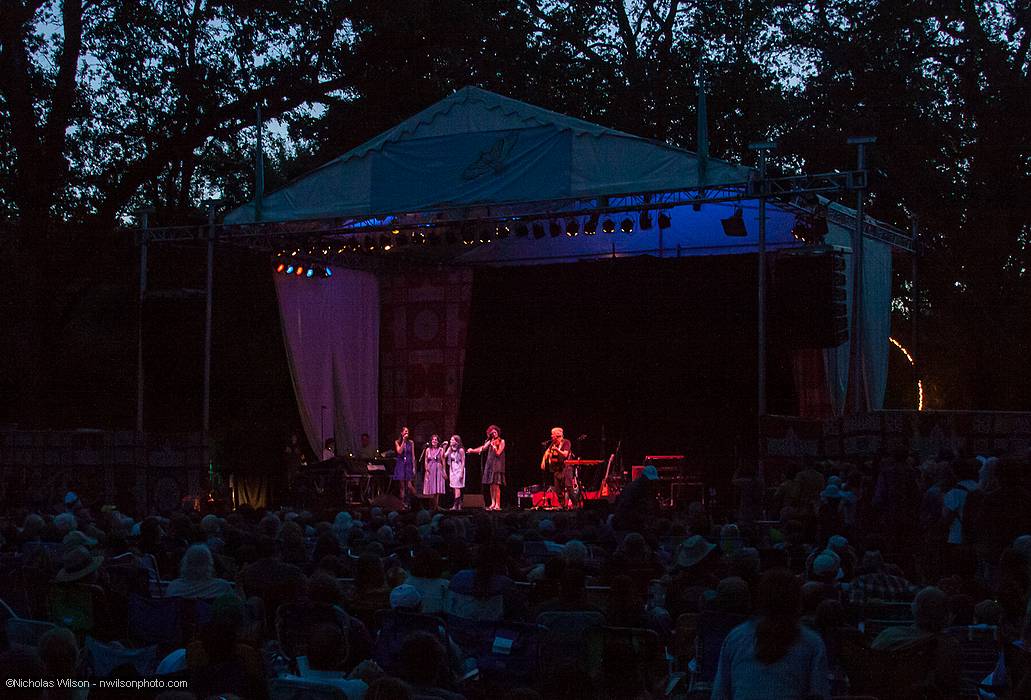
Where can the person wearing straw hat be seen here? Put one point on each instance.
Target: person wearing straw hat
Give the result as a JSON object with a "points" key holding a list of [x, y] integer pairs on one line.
{"points": [[78, 565]]}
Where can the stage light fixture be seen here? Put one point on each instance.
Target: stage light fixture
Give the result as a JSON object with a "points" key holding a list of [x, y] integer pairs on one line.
{"points": [[664, 220], [646, 221], [327, 271], [502, 231], [299, 271], [289, 269], [370, 243], [280, 267], [626, 225], [521, 230], [468, 235], [572, 227], [310, 273], [486, 233], [734, 225], [538, 230], [697, 206], [591, 225], [608, 226], [555, 229]]}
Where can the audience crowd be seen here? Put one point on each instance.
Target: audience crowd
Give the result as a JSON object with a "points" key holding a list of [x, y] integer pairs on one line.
{"points": [[893, 577]]}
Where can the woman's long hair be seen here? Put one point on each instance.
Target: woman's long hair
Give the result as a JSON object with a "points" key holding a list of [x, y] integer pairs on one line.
{"points": [[779, 603]]}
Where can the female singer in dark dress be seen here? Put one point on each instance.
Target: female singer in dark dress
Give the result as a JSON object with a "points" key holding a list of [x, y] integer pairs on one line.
{"points": [[404, 466], [494, 468]]}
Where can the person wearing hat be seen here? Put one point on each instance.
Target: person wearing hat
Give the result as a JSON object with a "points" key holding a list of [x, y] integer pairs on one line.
{"points": [[638, 504], [874, 581], [78, 565], [693, 573]]}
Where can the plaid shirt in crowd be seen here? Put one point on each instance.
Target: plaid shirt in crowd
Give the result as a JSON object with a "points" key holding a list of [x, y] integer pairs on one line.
{"points": [[881, 586]]}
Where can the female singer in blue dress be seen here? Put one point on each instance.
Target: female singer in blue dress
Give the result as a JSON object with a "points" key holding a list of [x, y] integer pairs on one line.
{"points": [[494, 468], [404, 466], [433, 483]]}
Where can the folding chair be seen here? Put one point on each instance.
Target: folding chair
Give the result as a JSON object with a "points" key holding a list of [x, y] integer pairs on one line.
{"points": [[979, 649], [72, 606], [154, 620], [562, 648], [105, 659], [300, 689], [394, 627], [507, 654], [624, 661]]}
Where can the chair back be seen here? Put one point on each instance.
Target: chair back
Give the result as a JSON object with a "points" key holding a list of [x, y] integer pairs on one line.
{"points": [[26, 632], [71, 606], [301, 689], [897, 673], [294, 622], [623, 661], [104, 659], [562, 647], [507, 654], [712, 628], [154, 620], [394, 627], [979, 649]]}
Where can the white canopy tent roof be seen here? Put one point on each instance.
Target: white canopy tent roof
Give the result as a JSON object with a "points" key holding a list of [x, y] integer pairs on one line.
{"points": [[477, 155]]}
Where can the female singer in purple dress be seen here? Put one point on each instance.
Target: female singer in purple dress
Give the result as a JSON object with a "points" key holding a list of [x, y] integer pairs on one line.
{"points": [[454, 458], [404, 466], [494, 468], [433, 475]]}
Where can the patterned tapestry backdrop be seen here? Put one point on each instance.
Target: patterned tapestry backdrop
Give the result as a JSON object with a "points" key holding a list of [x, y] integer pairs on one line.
{"points": [[425, 317]]}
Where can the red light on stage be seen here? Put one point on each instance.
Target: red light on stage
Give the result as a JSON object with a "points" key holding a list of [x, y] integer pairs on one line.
{"points": [[299, 271], [280, 267]]}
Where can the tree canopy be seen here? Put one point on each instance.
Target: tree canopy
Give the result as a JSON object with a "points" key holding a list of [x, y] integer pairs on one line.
{"points": [[106, 106]]}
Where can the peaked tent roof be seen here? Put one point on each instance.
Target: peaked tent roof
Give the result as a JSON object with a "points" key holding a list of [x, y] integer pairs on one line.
{"points": [[475, 148]]}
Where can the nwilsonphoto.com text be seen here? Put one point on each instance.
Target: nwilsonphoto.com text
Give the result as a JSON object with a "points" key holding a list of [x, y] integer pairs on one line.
{"points": [[117, 683]]}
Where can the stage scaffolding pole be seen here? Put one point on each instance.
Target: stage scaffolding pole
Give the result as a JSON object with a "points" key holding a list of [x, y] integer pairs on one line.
{"points": [[857, 395], [914, 307], [761, 149], [208, 291], [144, 226]]}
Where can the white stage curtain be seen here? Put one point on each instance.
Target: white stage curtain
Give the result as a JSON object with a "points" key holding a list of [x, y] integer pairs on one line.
{"points": [[331, 331]]}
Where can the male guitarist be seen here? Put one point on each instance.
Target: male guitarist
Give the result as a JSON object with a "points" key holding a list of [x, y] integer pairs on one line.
{"points": [[554, 460]]}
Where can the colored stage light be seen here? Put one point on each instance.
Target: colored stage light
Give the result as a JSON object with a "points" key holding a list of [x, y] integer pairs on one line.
{"points": [[572, 227], [627, 225], [309, 273], [327, 271], [608, 226], [280, 267], [299, 271], [289, 269], [591, 225]]}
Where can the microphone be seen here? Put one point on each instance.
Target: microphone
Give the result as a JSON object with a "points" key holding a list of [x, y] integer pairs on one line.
{"points": [[545, 443]]}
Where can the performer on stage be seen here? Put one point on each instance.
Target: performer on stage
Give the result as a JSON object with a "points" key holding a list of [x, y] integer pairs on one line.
{"points": [[433, 471], [404, 466], [454, 458], [554, 460], [494, 468]]}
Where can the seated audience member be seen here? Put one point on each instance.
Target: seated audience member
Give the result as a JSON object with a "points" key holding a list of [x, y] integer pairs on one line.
{"points": [[197, 576], [389, 688], [424, 667], [327, 650], [637, 506], [693, 573], [732, 596], [220, 663], [427, 577], [931, 616], [60, 655], [772, 656], [479, 594], [874, 582]]}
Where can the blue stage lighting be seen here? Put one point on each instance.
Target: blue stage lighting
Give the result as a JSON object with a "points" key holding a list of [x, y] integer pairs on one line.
{"points": [[289, 269], [309, 273]]}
